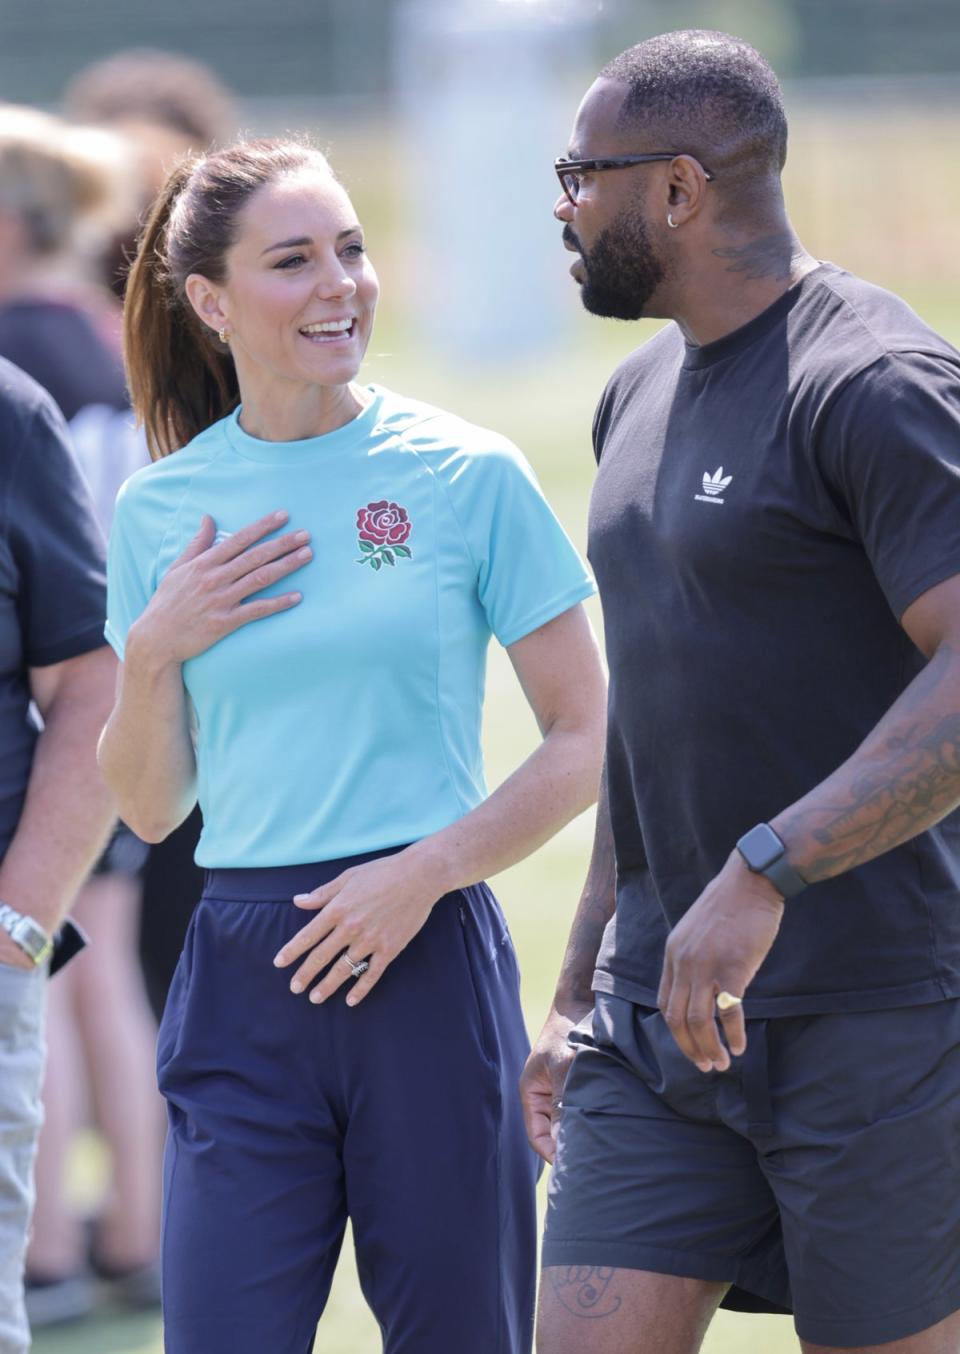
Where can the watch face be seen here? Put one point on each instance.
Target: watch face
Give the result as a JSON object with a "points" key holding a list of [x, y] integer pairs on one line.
{"points": [[761, 847]]}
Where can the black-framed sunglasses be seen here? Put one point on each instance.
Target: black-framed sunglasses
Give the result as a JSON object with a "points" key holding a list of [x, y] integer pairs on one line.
{"points": [[569, 172]]}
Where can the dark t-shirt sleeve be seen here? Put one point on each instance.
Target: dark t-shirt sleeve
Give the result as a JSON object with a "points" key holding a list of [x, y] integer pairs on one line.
{"points": [[57, 545], [890, 451]]}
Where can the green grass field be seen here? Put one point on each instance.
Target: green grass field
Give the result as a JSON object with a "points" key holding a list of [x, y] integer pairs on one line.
{"points": [[546, 406]]}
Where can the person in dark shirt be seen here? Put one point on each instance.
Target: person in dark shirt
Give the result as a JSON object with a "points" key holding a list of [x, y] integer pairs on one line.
{"points": [[55, 812], [60, 189], [763, 1108]]}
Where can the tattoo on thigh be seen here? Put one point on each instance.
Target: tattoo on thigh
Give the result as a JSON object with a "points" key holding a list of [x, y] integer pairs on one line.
{"points": [[584, 1289]]}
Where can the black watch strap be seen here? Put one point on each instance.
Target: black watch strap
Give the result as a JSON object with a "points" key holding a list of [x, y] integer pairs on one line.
{"points": [[764, 853]]}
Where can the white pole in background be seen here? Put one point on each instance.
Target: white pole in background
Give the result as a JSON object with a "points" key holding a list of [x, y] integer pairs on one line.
{"points": [[484, 91]]}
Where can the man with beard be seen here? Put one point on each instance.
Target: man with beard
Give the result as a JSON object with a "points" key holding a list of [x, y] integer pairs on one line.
{"points": [[763, 1107]]}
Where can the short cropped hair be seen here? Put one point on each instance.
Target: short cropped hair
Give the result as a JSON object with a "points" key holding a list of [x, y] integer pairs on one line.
{"points": [[713, 94]]}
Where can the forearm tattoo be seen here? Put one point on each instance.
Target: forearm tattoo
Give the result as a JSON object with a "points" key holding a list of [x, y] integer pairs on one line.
{"points": [[585, 1290], [893, 788]]}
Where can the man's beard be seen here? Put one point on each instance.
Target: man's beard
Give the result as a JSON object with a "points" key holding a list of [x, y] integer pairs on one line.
{"points": [[621, 271]]}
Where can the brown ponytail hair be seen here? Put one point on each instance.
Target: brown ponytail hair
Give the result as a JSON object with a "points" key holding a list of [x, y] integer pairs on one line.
{"points": [[181, 378]]}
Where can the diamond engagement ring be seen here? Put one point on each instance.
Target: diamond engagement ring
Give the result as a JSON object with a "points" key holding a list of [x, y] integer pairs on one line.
{"points": [[355, 969], [726, 1001]]}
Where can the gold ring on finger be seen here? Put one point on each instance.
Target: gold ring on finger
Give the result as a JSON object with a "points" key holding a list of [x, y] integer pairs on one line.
{"points": [[726, 1001]]}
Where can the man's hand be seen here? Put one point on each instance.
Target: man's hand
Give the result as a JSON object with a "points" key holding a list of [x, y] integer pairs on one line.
{"points": [[717, 947], [543, 1079]]}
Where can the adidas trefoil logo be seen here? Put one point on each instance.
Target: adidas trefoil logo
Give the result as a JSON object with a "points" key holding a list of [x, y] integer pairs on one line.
{"points": [[714, 486]]}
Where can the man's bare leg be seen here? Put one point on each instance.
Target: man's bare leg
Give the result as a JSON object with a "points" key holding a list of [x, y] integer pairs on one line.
{"points": [[943, 1338], [595, 1310]]}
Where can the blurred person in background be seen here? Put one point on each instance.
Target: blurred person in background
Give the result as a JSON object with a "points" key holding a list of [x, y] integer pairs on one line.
{"points": [[344, 1032], [55, 812], [165, 105], [767, 1091], [62, 192]]}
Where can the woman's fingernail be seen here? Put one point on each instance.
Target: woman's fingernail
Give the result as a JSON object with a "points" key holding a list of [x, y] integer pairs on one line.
{"points": [[300, 897], [316, 997], [296, 986], [278, 961], [351, 1001]]}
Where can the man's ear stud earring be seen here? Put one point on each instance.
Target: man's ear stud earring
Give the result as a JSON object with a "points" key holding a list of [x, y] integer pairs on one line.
{"points": [[670, 222]]}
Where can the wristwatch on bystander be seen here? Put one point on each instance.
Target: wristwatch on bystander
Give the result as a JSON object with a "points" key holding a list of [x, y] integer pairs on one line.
{"points": [[764, 853], [27, 933]]}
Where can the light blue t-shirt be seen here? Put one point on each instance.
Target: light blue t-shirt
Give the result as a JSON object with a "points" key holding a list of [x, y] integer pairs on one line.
{"points": [[351, 722]]}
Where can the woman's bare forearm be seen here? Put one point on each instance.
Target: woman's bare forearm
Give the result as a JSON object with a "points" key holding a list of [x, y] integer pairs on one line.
{"points": [[554, 784], [146, 753], [559, 669]]}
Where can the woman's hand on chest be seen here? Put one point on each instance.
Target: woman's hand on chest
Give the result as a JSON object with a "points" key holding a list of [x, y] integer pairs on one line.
{"points": [[209, 590]]}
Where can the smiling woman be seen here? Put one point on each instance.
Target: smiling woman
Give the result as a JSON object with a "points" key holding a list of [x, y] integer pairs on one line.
{"points": [[257, 255], [335, 753]]}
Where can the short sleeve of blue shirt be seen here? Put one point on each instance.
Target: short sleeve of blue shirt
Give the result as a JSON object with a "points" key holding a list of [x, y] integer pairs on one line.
{"points": [[144, 540], [528, 571], [127, 573]]}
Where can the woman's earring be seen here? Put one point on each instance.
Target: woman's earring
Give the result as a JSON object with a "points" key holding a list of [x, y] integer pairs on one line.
{"points": [[222, 334], [670, 222]]}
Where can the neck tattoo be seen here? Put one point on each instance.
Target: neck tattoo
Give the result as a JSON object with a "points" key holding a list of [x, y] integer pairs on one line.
{"points": [[768, 256]]}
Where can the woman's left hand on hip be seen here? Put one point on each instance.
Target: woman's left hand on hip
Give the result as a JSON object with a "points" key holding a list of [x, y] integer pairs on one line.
{"points": [[370, 912]]}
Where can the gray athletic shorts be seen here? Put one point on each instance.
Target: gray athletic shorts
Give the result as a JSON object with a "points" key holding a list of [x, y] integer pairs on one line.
{"points": [[822, 1172]]}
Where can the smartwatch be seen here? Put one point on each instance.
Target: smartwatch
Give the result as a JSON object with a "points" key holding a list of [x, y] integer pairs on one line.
{"points": [[27, 933], [764, 853]]}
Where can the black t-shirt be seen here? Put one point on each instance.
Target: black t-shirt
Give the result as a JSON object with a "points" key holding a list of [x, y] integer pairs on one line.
{"points": [[52, 581], [59, 346], [766, 508]]}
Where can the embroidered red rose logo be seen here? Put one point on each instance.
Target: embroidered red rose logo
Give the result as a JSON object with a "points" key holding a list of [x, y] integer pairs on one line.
{"points": [[383, 529]]}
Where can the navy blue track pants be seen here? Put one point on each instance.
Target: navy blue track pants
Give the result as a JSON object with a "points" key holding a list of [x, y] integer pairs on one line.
{"points": [[285, 1118]]}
